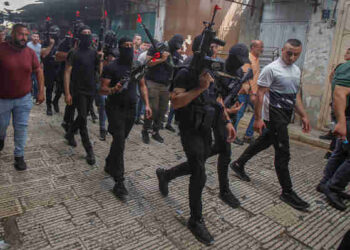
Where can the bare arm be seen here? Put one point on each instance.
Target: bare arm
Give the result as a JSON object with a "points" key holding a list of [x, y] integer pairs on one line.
{"points": [[40, 77], [61, 56], [144, 91], [299, 107], [339, 97], [67, 75], [180, 98], [45, 51], [259, 101], [154, 62]]}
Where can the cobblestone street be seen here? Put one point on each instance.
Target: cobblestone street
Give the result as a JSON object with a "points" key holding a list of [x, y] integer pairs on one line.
{"points": [[61, 202]]}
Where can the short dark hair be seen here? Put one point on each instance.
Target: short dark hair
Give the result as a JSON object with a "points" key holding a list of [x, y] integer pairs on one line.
{"points": [[17, 26], [294, 42]]}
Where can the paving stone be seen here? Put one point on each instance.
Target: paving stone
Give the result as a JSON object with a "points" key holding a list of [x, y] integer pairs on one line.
{"points": [[61, 202], [9, 208]]}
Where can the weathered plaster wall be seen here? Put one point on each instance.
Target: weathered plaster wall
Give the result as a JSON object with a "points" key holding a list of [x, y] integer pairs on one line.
{"points": [[250, 23], [315, 70]]}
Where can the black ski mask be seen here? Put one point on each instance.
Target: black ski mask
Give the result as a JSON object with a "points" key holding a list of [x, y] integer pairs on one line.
{"points": [[238, 56], [175, 42], [85, 41], [126, 55]]}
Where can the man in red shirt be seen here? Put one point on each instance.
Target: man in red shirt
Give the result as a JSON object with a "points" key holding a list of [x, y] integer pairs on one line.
{"points": [[17, 63]]}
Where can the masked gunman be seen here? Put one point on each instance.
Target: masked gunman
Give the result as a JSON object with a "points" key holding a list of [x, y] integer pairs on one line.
{"points": [[51, 70], [158, 79], [17, 63], [81, 67], [120, 109]]}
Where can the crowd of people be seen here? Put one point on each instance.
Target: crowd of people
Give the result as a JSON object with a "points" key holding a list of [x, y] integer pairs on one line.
{"points": [[85, 75]]}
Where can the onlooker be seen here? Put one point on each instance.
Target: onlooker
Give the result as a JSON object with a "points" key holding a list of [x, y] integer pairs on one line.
{"points": [[277, 96], [17, 62], [337, 171], [330, 135], [2, 35], [248, 91], [35, 45], [137, 41]]}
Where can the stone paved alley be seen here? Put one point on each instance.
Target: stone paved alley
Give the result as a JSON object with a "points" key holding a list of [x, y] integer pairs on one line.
{"points": [[60, 202]]}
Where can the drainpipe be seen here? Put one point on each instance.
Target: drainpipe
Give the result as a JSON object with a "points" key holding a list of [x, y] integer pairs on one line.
{"points": [[160, 20]]}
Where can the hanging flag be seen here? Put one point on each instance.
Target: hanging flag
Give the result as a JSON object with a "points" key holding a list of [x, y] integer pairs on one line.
{"points": [[77, 13]]}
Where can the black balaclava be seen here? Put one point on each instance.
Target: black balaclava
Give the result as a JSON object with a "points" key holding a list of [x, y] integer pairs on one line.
{"points": [[84, 39], [238, 56], [175, 42], [126, 55]]}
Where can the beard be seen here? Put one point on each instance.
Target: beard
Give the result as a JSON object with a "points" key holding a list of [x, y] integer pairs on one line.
{"points": [[20, 43]]}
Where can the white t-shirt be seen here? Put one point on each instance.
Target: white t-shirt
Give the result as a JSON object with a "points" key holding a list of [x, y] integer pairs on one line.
{"points": [[283, 82]]}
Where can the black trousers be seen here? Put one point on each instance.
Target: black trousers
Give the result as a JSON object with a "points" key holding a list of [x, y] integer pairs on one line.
{"points": [[69, 113], [197, 147], [81, 102], [50, 85], [120, 123], [221, 147], [275, 134]]}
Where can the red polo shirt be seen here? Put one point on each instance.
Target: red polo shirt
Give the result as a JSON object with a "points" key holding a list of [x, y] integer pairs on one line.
{"points": [[16, 67]]}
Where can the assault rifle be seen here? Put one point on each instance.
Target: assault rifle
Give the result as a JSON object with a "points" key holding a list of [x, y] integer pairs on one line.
{"points": [[201, 61], [234, 87], [102, 30]]}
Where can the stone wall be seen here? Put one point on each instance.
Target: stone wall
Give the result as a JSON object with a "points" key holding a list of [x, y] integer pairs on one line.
{"points": [[315, 70]]}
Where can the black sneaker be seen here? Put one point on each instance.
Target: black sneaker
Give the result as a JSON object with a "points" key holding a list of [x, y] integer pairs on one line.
{"points": [[49, 110], [228, 197], [120, 190], [322, 188], [170, 128], [20, 164], [56, 107], [239, 172], [327, 155], [163, 182], [145, 136], [238, 141], [292, 199], [328, 136], [156, 136], [93, 117], [90, 158], [2, 144], [71, 140], [103, 134], [249, 140], [200, 231], [138, 122], [334, 199]]}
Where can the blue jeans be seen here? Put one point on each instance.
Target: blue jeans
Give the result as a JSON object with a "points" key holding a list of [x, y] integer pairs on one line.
{"points": [[101, 104], [20, 109], [140, 106], [170, 116], [245, 99], [35, 86], [337, 171]]}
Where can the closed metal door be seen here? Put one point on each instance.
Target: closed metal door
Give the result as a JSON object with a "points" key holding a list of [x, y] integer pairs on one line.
{"points": [[285, 20]]}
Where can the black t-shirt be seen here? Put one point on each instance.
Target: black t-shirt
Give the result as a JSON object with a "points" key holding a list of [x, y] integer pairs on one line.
{"points": [[115, 71], [163, 72], [51, 67], [185, 79], [84, 64], [64, 46]]}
